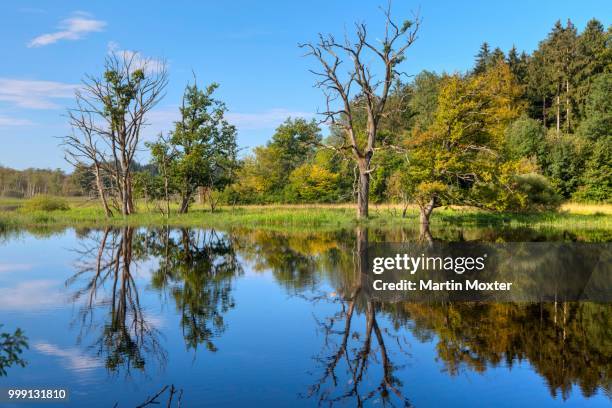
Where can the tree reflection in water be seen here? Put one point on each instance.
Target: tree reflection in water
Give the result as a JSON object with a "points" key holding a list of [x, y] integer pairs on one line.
{"points": [[106, 280], [346, 345], [198, 268], [568, 344]]}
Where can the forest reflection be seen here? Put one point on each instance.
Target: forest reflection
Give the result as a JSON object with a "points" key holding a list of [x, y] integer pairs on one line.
{"points": [[363, 341]]}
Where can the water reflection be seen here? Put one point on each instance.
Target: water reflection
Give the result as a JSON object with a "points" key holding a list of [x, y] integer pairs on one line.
{"points": [[356, 347], [105, 281], [198, 268], [361, 343], [567, 343]]}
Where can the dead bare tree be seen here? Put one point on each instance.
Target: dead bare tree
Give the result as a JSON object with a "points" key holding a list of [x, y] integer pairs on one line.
{"points": [[373, 87], [83, 150], [108, 118], [354, 350]]}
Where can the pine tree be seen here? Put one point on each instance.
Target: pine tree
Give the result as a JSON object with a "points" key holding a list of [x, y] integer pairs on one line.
{"points": [[482, 59], [517, 64], [560, 57], [539, 86], [593, 58]]}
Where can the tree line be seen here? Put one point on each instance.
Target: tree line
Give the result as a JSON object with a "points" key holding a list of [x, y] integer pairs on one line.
{"points": [[517, 132], [30, 182]]}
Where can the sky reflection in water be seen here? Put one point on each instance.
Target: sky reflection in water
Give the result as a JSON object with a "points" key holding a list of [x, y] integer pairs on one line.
{"points": [[259, 317]]}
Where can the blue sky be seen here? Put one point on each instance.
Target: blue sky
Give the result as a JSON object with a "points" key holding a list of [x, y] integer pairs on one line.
{"points": [[249, 47]]}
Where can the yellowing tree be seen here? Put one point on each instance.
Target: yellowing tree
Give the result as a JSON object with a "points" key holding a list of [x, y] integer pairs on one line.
{"points": [[459, 158], [311, 182]]}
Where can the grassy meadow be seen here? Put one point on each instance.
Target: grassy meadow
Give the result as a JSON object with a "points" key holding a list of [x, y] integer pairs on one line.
{"points": [[85, 213]]}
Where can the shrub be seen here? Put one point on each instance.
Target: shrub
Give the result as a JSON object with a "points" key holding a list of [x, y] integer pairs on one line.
{"points": [[45, 203], [537, 191]]}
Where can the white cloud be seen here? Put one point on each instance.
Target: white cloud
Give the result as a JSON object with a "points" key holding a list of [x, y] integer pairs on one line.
{"points": [[32, 295], [269, 119], [10, 121], [34, 94], [139, 61], [71, 358], [73, 28], [7, 267]]}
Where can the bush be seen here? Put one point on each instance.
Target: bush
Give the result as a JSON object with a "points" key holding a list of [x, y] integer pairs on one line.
{"points": [[45, 203], [537, 191]]}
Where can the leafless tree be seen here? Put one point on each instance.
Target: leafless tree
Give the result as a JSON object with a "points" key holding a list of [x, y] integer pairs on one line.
{"points": [[354, 350], [82, 150], [104, 281], [360, 84], [108, 119]]}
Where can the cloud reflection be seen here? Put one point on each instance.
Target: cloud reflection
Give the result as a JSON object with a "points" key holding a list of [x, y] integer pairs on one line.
{"points": [[72, 358], [32, 295]]}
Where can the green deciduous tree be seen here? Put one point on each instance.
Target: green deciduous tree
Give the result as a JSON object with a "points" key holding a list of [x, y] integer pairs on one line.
{"points": [[202, 149], [461, 157], [264, 176]]}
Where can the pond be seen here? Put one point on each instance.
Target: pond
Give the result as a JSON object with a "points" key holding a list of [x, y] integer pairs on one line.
{"points": [[267, 318]]}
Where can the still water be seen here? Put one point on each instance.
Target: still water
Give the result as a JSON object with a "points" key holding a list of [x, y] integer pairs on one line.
{"points": [[260, 318]]}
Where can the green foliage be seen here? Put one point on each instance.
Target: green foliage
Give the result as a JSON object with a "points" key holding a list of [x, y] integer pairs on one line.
{"points": [[45, 203], [30, 182], [123, 86], [598, 110], [312, 183], [535, 193], [11, 347], [597, 183], [462, 147], [264, 176], [423, 100], [200, 152], [148, 186], [563, 162], [525, 137]]}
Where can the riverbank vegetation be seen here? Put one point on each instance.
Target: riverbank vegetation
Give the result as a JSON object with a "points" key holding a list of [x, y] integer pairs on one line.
{"points": [[305, 216]]}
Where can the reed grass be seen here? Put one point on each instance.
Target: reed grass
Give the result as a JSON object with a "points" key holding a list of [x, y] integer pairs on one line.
{"points": [[87, 214]]}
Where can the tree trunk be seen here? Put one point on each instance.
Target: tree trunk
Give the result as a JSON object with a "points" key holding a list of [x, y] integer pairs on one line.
{"points": [[426, 210], [211, 201], [363, 189], [567, 105], [166, 195], [101, 194], [425, 234], [130, 196], [404, 210], [185, 204], [558, 113]]}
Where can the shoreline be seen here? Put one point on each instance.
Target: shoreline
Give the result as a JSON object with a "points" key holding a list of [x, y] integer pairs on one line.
{"points": [[317, 217]]}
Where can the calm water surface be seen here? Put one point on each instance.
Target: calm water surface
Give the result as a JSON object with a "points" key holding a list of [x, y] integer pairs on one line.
{"points": [[259, 318]]}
